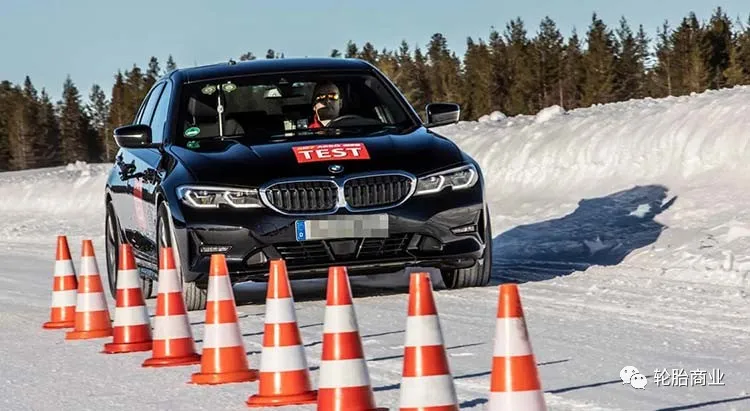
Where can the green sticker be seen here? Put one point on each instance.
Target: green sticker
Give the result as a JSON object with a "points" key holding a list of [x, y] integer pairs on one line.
{"points": [[192, 132], [193, 144]]}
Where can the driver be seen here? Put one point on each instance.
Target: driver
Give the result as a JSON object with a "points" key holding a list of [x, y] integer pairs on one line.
{"points": [[326, 104]]}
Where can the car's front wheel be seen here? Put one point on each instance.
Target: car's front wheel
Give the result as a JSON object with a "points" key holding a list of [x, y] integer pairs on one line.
{"points": [[194, 296], [112, 242], [479, 274]]}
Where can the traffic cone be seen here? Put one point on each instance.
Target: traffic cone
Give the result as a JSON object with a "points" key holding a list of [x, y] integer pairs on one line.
{"points": [[514, 384], [284, 376], [173, 339], [132, 329], [344, 381], [92, 312], [64, 289], [426, 383], [224, 359]]}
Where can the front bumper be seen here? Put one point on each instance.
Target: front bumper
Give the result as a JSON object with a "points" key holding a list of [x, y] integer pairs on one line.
{"points": [[420, 233]]}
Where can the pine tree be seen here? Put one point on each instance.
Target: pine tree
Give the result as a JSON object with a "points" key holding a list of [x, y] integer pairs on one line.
{"points": [[599, 63], [98, 112], [444, 71], [32, 135], [499, 87], [690, 57], [247, 56], [387, 63], [73, 133], [574, 73], [368, 53], [351, 50], [152, 73], [548, 46], [270, 54], [478, 80], [335, 53], [662, 78], [171, 65], [135, 90], [116, 117], [6, 92], [50, 128], [420, 83], [629, 64], [719, 45], [742, 49], [523, 87]]}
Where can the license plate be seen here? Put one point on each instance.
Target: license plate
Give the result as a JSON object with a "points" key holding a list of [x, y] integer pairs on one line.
{"points": [[368, 225]]}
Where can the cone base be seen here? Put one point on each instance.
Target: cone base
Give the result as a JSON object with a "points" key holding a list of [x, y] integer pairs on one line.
{"points": [[55, 325], [119, 348], [225, 378], [310, 397], [172, 361], [87, 335]]}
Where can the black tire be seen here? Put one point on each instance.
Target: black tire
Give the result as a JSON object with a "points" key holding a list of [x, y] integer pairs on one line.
{"points": [[112, 241], [194, 296], [479, 274]]}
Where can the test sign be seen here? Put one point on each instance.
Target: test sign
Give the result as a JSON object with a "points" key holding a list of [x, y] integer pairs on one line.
{"points": [[328, 152]]}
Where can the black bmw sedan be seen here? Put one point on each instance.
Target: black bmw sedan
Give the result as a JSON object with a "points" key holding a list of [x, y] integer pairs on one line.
{"points": [[317, 161]]}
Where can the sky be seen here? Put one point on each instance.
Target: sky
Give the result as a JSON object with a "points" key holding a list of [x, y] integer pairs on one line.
{"points": [[91, 40]]}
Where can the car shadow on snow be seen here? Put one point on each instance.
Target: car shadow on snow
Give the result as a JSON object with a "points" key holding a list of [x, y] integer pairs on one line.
{"points": [[601, 231]]}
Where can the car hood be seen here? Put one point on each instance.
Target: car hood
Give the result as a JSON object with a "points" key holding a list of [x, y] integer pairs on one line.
{"points": [[231, 162]]}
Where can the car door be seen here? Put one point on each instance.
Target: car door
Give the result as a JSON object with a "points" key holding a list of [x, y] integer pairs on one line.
{"points": [[134, 223], [149, 163]]}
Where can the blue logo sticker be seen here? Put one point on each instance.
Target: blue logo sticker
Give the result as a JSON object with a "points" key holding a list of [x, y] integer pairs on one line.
{"points": [[300, 228]]}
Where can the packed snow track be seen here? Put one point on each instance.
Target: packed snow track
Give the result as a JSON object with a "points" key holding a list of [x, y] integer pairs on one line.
{"points": [[627, 226]]}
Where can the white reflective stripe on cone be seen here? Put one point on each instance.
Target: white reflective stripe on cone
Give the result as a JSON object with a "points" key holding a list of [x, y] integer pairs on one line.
{"points": [[219, 289], [222, 335], [423, 330], [169, 282], [126, 316], [280, 310], [343, 373], [91, 302], [89, 266], [290, 358], [434, 390], [339, 319], [518, 400], [64, 268], [128, 279], [63, 298], [511, 339], [171, 327]]}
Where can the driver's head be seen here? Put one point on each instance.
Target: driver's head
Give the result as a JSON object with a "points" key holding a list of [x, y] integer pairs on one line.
{"points": [[327, 101]]}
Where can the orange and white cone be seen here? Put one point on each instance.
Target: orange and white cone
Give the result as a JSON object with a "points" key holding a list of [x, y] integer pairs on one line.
{"points": [[64, 289], [92, 312], [132, 329], [514, 384], [173, 339], [426, 383], [284, 375], [344, 380], [224, 359]]}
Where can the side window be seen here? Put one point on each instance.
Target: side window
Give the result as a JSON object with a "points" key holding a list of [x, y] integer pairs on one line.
{"points": [[148, 110], [160, 115]]}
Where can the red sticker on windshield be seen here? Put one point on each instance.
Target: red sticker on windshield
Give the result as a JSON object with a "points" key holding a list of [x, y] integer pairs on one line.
{"points": [[331, 152]]}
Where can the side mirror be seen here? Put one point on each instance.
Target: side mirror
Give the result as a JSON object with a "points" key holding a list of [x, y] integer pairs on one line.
{"points": [[133, 136], [442, 114]]}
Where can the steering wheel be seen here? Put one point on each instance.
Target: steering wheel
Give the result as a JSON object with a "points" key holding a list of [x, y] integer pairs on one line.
{"points": [[352, 119]]}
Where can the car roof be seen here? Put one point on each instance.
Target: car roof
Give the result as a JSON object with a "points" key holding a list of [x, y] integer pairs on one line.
{"points": [[232, 68]]}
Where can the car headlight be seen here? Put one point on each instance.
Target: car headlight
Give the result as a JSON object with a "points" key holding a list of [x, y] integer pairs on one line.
{"points": [[457, 178], [214, 197]]}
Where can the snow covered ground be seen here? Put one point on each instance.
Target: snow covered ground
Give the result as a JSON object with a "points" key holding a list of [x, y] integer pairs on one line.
{"points": [[628, 226]]}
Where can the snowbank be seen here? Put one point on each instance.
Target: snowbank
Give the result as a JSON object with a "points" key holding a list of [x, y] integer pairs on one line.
{"points": [[652, 141], [76, 188]]}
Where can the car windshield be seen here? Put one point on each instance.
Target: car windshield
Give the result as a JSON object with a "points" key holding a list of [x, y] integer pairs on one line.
{"points": [[259, 109]]}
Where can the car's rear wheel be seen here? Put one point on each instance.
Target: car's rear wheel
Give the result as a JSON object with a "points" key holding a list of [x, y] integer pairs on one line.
{"points": [[194, 296], [112, 241], [479, 274]]}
